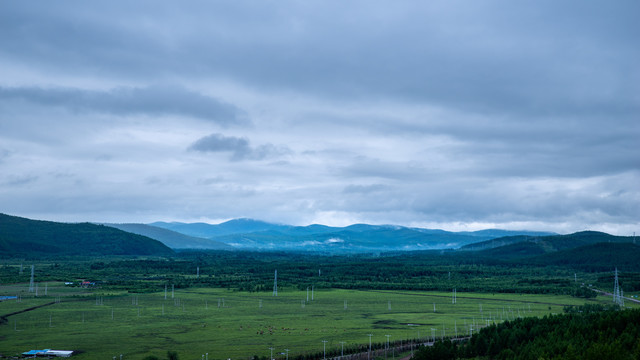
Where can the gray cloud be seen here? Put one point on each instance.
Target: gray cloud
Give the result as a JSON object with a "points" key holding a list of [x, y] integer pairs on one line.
{"points": [[238, 147], [4, 153], [442, 112], [495, 57], [19, 180], [150, 101], [364, 189]]}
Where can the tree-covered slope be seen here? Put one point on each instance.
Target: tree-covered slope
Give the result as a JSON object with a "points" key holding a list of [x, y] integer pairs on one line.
{"points": [[587, 332], [172, 239], [24, 237], [594, 257], [549, 243]]}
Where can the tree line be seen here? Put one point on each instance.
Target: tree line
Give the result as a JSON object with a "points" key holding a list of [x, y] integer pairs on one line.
{"points": [[589, 332]]}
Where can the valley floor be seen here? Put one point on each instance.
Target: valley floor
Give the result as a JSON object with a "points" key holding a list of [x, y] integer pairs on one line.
{"points": [[226, 324]]}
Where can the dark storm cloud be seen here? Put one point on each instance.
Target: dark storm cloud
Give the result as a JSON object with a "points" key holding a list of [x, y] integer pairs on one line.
{"points": [[151, 101], [494, 57], [238, 147]]}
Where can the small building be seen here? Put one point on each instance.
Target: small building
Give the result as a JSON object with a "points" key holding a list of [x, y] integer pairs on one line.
{"points": [[48, 352]]}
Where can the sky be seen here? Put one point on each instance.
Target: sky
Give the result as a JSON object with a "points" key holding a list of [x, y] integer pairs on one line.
{"points": [[458, 115]]}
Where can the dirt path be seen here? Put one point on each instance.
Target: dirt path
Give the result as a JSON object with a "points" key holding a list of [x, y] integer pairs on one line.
{"points": [[4, 318]]}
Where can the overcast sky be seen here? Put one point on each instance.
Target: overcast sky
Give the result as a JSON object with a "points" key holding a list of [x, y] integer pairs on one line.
{"points": [[460, 115]]}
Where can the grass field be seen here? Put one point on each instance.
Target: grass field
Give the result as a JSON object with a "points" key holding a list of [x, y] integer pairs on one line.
{"points": [[227, 324]]}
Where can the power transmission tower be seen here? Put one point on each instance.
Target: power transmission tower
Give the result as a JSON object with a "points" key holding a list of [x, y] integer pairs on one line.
{"points": [[275, 284], [31, 283], [617, 291]]}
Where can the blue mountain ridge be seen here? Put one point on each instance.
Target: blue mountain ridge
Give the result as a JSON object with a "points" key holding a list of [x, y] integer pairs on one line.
{"points": [[249, 234]]}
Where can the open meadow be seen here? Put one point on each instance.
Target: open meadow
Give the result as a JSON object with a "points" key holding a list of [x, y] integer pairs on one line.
{"points": [[232, 324]]}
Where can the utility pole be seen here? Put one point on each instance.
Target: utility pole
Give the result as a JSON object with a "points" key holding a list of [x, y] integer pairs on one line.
{"points": [[324, 347], [369, 353], [271, 358], [387, 347], [342, 351], [287, 351]]}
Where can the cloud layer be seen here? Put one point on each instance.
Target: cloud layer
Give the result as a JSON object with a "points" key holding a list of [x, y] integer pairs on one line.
{"points": [[443, 114]]}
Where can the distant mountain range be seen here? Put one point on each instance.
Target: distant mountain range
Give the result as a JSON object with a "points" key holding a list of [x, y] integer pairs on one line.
{"points": [[25, 237], [249, 234], [20, 236]]}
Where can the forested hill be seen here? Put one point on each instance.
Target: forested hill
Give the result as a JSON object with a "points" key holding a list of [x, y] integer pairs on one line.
{"points": [[587, 250], [587, 332], [594, 257], [25, 237], [550, 243], [172, 239]]}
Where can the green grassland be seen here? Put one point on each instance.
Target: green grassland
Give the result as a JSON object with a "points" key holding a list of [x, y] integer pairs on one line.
{"points": [[237, 325]]}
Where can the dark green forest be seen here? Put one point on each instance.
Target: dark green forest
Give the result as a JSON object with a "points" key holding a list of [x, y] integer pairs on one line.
{"points": [[590, 332], [20, 237], [253, 271]]}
